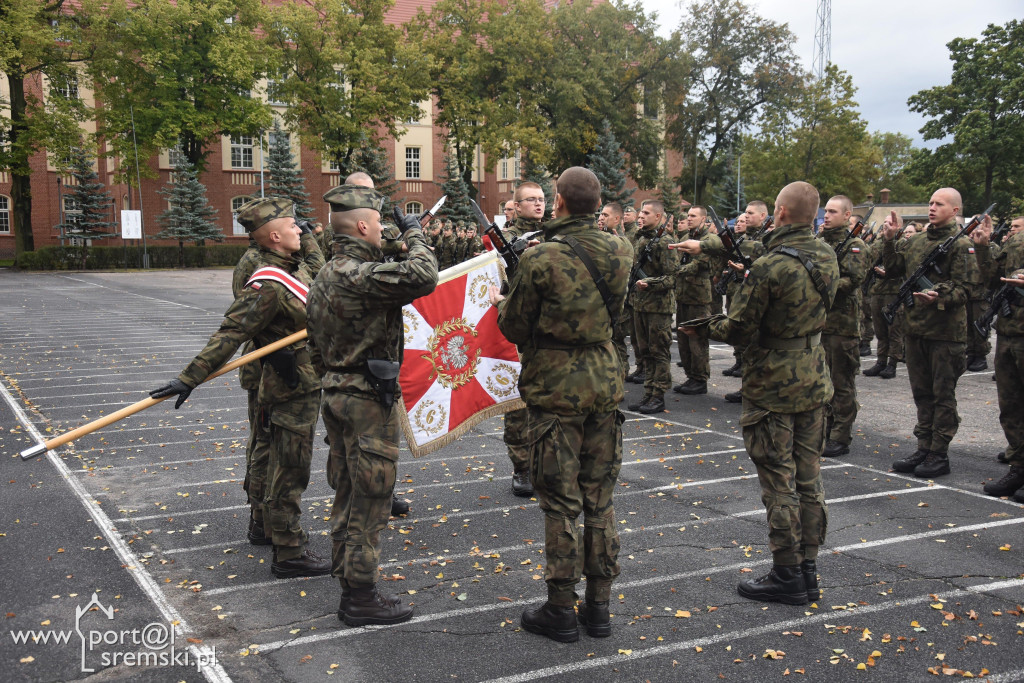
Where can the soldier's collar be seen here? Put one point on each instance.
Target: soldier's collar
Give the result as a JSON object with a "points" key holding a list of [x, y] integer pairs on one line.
{"points": [[358, 248], [275, 258]]}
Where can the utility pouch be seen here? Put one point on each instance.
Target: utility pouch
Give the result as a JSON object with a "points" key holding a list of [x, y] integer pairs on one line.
{"points": [[283, 362], [383, 377]]}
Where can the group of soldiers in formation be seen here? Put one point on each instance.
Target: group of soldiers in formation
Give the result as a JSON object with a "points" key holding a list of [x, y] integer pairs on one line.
{"points": [[453, 243], [580, 290]]}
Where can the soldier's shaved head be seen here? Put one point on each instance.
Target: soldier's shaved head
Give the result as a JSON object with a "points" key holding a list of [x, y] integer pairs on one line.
{"points": [[614, 207], [580, 189], [346, 222], [359, 178], [759, 206], [656, 206], [952, 196], [700, 209], [944, 206], [528, 185], [800, 200], [845, 205]]}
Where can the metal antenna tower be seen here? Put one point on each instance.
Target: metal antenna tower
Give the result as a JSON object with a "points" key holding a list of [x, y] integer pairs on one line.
{"points": [[822, 38]]}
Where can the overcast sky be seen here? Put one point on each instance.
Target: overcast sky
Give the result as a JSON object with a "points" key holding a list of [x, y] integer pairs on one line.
{"points": [[891, 48]]}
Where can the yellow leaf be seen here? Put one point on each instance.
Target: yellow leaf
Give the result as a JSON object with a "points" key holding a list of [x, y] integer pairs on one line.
{"points": [[1005, 547], [334, 666], [862, 667], [937, 605], [682, 614], [302, 594], [625, 652], [27, 660], [914, 624], [876, 654]]}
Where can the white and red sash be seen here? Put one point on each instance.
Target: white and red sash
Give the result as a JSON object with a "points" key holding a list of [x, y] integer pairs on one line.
{"points": [[278, 275]]}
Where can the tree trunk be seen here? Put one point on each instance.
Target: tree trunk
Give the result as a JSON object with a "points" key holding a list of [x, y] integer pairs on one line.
{"points": [[181, 254], [21, 182]]}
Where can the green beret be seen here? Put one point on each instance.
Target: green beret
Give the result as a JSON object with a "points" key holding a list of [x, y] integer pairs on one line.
{"points": [[256, 213], [348, 197]]}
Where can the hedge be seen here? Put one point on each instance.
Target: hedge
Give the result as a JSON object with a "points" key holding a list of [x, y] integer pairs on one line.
{"points": [[108, 258]]}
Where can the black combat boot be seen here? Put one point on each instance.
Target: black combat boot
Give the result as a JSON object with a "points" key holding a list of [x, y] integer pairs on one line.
{"points": [[346, 595], [691, 387], [935, 464], [367, 606], [977, 364], [1001, 456], [398, 507], [307, 565], [1019, 496], [557, 623], [907, 464], [735, 371], [875, 369], [782, 584], [257, 534], [1011, 482], [594, 615], [889, 371], [809, 568], [636, 377], [734, 397], [865, 349], [636, 406], [655, 404], [833, 449], [521, 485]]}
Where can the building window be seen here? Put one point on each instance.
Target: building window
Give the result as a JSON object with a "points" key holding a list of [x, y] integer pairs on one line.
{"points": [[272, 138], [241, 151], [332, 165], [65, 86], [273, 94], [72, 214], [517, 166], [504, 169], [236, 204], [175, 157], [5, 215], [416, 116], [413, 208], [412, 163]]}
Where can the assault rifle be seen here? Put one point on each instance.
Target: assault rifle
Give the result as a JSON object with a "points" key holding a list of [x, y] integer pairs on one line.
{"points": [[999, 234], [1005, 298], [509, 251], [851, 235], [765, 227], [918, 280], [732, 242], [637, 273]]}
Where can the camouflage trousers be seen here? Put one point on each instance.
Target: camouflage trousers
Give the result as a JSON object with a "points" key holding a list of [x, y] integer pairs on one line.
{"points": [[890, 337], [786, 450], [694, 351], [934, 367], [842, 356], [292, 425], [576, 461], [717, 305], [978, 346], [257, 455], [654, 339], [361, 468], [1009, 366], [515, 439], [867, 327], [625, 329], [737, 351]]}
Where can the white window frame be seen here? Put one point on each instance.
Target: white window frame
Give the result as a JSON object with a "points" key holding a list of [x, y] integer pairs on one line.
{"points": [[236, 204], [414, 208], [5, 215], [412, 163], [242, 156]]}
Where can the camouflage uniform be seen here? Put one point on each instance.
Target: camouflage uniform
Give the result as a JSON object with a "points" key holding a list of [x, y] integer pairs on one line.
{"points": [[693, 300], [572, 383], [265, 312], [446, 250], [781, 314], [841, 335], [978, 347], [935, 336], [652, 313], [996, 262], [883, 290], [625, 327], [355, 315]]}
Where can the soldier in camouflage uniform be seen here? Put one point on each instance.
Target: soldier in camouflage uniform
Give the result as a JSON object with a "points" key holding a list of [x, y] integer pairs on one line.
{"points": [[626, 328], [978, 346], [841, 338], [867, 325], [610, 221], [1000, 267], [653, 305], [936, 329], [881, 292], [693, 300], [446, 249], [781, 314], [355, 334], [270, 307], [572, 383]]}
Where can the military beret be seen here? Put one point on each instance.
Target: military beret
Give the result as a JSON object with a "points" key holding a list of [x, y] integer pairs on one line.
{"points": [[255, 213], [348, 197]]}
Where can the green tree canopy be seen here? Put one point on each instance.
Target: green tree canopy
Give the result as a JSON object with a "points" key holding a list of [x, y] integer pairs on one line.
{"points": [[609, 163], [189, 218], [285, 177], [456, 206]]}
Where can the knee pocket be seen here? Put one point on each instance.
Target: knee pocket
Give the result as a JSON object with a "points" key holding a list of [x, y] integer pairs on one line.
{"points": [[297, 434], [376, 467], [759, 437]]}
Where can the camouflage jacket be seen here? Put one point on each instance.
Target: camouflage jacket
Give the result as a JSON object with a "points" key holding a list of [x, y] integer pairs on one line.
{"points": [[355, 308], [556, 316], [248, 374], [693, 280], [883, 284], [715, 250], [946, 319], [264, 312], [519, 226], [445, 251], [661, 267], [779, 305], [995, 262], [630, 233], [844, 317]]}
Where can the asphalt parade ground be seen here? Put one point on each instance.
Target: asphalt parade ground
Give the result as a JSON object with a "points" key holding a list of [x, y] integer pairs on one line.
{"points": [[146, 520]]}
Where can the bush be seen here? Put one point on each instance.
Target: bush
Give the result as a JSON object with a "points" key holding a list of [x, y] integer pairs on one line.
{"points": [[109, 258]]}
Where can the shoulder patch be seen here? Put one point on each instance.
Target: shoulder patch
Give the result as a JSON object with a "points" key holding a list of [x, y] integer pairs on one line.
{"points": [[854, 250], [970, 250], [255, 285]]}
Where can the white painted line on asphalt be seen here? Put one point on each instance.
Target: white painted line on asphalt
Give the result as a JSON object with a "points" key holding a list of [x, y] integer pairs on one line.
{"points": [[966, 492], [1006, 677], [732, 636], [187, 513], [136, 569], [703, 430], [122, 292]]}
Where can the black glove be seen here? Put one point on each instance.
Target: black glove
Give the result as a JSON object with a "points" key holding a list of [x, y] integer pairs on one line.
{"points": [[405, 222], [174, 387], [305, 227]]}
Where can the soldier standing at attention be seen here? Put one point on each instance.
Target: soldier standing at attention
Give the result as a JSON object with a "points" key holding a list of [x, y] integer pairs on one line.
{"points": [[610, 221], [693, 300], [355, 334], [271, 306], [867, 325], [528, 201], [571, 380], [881, 292], [935, 334], [653, 306], [781, 315], [629, 231], [841, 338]]}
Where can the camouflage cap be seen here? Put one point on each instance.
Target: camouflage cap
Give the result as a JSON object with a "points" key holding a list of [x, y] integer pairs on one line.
{"points": [[348, 197], [256, 213]]}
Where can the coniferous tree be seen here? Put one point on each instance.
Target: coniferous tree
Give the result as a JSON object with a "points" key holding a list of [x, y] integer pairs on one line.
{"points": [[285, 176], [456, 207], [190, 216], [608, 163], [373, 161], [538, 173], [668, 194], [91, 200]]}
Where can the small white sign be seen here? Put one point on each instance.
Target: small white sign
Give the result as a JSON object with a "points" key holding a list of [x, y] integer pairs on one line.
{"points": [[131, 225]]}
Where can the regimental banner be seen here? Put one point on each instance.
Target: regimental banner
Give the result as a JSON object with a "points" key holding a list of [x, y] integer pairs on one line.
{"points": [[458, 368]]}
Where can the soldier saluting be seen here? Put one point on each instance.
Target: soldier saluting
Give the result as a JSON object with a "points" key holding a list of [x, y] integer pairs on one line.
{"points": [[271, 306]]}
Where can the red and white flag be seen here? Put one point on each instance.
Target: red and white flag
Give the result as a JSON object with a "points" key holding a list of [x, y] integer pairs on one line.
{"points": [[458, 368]]}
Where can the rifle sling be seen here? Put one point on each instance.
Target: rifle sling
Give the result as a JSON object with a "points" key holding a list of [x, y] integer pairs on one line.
{"points": [[816, 277], [599, 281]]}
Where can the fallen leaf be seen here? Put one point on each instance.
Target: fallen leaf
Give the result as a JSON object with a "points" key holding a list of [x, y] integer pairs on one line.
{"points": [[27, 660], [682, 614], [625, 652]]}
